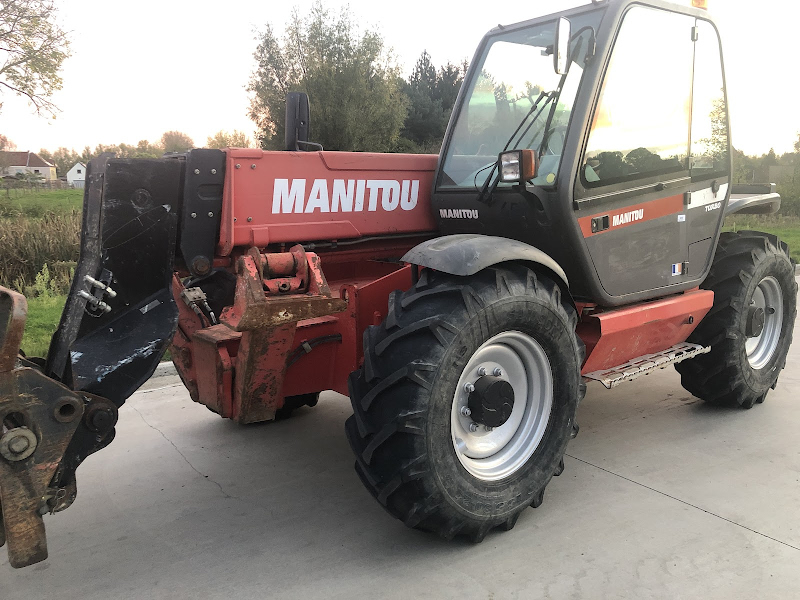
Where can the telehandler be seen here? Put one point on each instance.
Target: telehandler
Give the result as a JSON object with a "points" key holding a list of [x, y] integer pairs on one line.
{"points": [[569, 231]]}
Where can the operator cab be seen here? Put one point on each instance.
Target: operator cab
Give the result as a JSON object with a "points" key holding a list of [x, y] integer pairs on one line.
{"points": [[600, 136]]}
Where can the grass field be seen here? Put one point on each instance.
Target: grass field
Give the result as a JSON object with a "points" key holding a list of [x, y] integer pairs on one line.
{"points": [[32, 203], [786, 228], [43, 316]]}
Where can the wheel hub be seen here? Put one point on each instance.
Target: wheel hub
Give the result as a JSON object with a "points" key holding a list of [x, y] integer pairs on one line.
{"points": [[492, 401], [755, 321], [498, 420], [764, 322]]}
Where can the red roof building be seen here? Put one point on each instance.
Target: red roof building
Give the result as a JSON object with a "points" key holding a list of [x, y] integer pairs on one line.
{"points": [[13, 163]]}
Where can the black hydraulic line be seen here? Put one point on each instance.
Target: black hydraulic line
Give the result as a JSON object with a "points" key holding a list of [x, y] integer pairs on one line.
{"points": [[308, 346]]}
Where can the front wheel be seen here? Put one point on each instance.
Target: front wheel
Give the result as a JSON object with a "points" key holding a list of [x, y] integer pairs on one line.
{"points": [[466, 400]]}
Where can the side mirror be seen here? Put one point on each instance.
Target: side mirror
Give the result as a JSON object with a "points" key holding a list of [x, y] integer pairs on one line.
{"points": [[518, 166], [561, 46], [297, 120]]}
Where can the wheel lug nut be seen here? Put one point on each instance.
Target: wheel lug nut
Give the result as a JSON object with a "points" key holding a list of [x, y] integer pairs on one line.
{"points": [[465, 411], [497, 372], [489, 428], [473, 427], [469, 388], [481, 371]]}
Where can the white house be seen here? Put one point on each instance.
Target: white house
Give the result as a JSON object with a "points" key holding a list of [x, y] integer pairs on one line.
{"points": [[77, 175], [15, 163]]}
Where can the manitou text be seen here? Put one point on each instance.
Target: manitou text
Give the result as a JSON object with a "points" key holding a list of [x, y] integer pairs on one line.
{"points": [[343, 195], [628, 217]]}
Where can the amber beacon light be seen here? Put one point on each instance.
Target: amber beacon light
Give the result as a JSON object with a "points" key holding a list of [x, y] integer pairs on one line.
{"points": [[700, 4]]}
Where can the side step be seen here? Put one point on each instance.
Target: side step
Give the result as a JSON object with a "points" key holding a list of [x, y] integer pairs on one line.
{"points": [[647, 363]]}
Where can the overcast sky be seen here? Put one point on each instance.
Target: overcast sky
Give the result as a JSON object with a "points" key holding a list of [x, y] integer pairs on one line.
{"points": [[142, 67]]}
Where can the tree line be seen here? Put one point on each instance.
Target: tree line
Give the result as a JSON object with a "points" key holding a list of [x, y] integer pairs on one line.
{"points": [[782, 169], [171, 141]]}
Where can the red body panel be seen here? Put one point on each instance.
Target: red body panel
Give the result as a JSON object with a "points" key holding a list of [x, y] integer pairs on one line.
{"points": [[288, 197], [616, 336]]}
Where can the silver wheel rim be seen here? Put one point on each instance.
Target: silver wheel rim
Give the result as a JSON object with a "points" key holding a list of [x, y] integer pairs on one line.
{"points": [[493, 454], [768, 297]]}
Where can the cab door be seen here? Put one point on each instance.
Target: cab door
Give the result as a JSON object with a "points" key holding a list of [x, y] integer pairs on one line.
{"points": [[634, 182]]}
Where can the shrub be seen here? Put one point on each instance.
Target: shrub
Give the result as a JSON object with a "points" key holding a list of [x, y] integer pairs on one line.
{"points": [[27, 245]]}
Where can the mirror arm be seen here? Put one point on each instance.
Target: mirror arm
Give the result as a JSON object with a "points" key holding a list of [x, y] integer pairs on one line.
{"points": [[551, 114]]}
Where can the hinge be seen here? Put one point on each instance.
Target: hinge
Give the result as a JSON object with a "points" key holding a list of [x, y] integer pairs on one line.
{"points": [[695, 33]]}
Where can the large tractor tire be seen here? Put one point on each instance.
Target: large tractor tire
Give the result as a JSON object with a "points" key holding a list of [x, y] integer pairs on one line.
{"points": [[466, 400], [749, 328]]}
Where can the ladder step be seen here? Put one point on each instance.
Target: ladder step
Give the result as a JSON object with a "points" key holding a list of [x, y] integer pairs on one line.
{"points": [[647, 363]]}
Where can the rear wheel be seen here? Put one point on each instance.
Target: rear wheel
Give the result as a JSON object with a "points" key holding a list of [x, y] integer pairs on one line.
{"points": [[749, 328], [467, 398]]}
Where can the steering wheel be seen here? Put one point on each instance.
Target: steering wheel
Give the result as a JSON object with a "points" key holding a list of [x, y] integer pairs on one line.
{"points": [[556, 139]]}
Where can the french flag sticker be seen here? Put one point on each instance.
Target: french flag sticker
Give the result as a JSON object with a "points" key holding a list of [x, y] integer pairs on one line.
{"points": [[677, 269]]}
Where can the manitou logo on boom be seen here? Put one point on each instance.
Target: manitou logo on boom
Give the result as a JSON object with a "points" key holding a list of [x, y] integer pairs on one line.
{"points": [[628, 217], [344, 195]]}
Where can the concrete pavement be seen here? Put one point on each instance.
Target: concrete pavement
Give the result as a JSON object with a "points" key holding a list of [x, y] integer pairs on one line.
{"points": [[662, 497]]}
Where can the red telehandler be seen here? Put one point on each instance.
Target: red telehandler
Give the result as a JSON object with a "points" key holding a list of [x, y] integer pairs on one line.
{"points": [[570, 230]]}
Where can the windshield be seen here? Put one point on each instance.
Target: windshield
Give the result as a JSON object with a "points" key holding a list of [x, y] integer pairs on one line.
{"points": [[516, 75]]}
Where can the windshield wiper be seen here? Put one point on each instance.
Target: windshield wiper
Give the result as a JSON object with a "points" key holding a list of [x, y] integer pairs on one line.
{"points": [[491, 180]]}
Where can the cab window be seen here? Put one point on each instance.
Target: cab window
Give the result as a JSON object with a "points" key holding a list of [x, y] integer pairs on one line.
{"points": [[642, 122]]}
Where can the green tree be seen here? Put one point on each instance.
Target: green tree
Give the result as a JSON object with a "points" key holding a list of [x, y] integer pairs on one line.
{"points": [[145, 149], [351, 80], [432, 95], [716, 146], [742, 172], [233, 139], [32, 50], [176, 141], [6, 145]]}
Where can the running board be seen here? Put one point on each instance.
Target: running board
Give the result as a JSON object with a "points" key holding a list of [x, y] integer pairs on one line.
{"points": [[646, 364]]}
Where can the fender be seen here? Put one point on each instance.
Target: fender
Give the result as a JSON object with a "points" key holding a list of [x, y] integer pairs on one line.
{"points": [[466, 254], [753, 199]]}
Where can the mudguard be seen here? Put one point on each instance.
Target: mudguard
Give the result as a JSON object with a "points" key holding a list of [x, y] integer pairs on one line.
{"points": [[466, 254], [754, 199]]}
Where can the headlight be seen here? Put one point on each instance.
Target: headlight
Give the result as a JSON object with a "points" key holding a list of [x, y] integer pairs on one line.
{"points": [[517, 166]]}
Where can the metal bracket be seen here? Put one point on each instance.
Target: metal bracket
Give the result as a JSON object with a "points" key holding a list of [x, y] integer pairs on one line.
{"points": [[202, 204]]}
